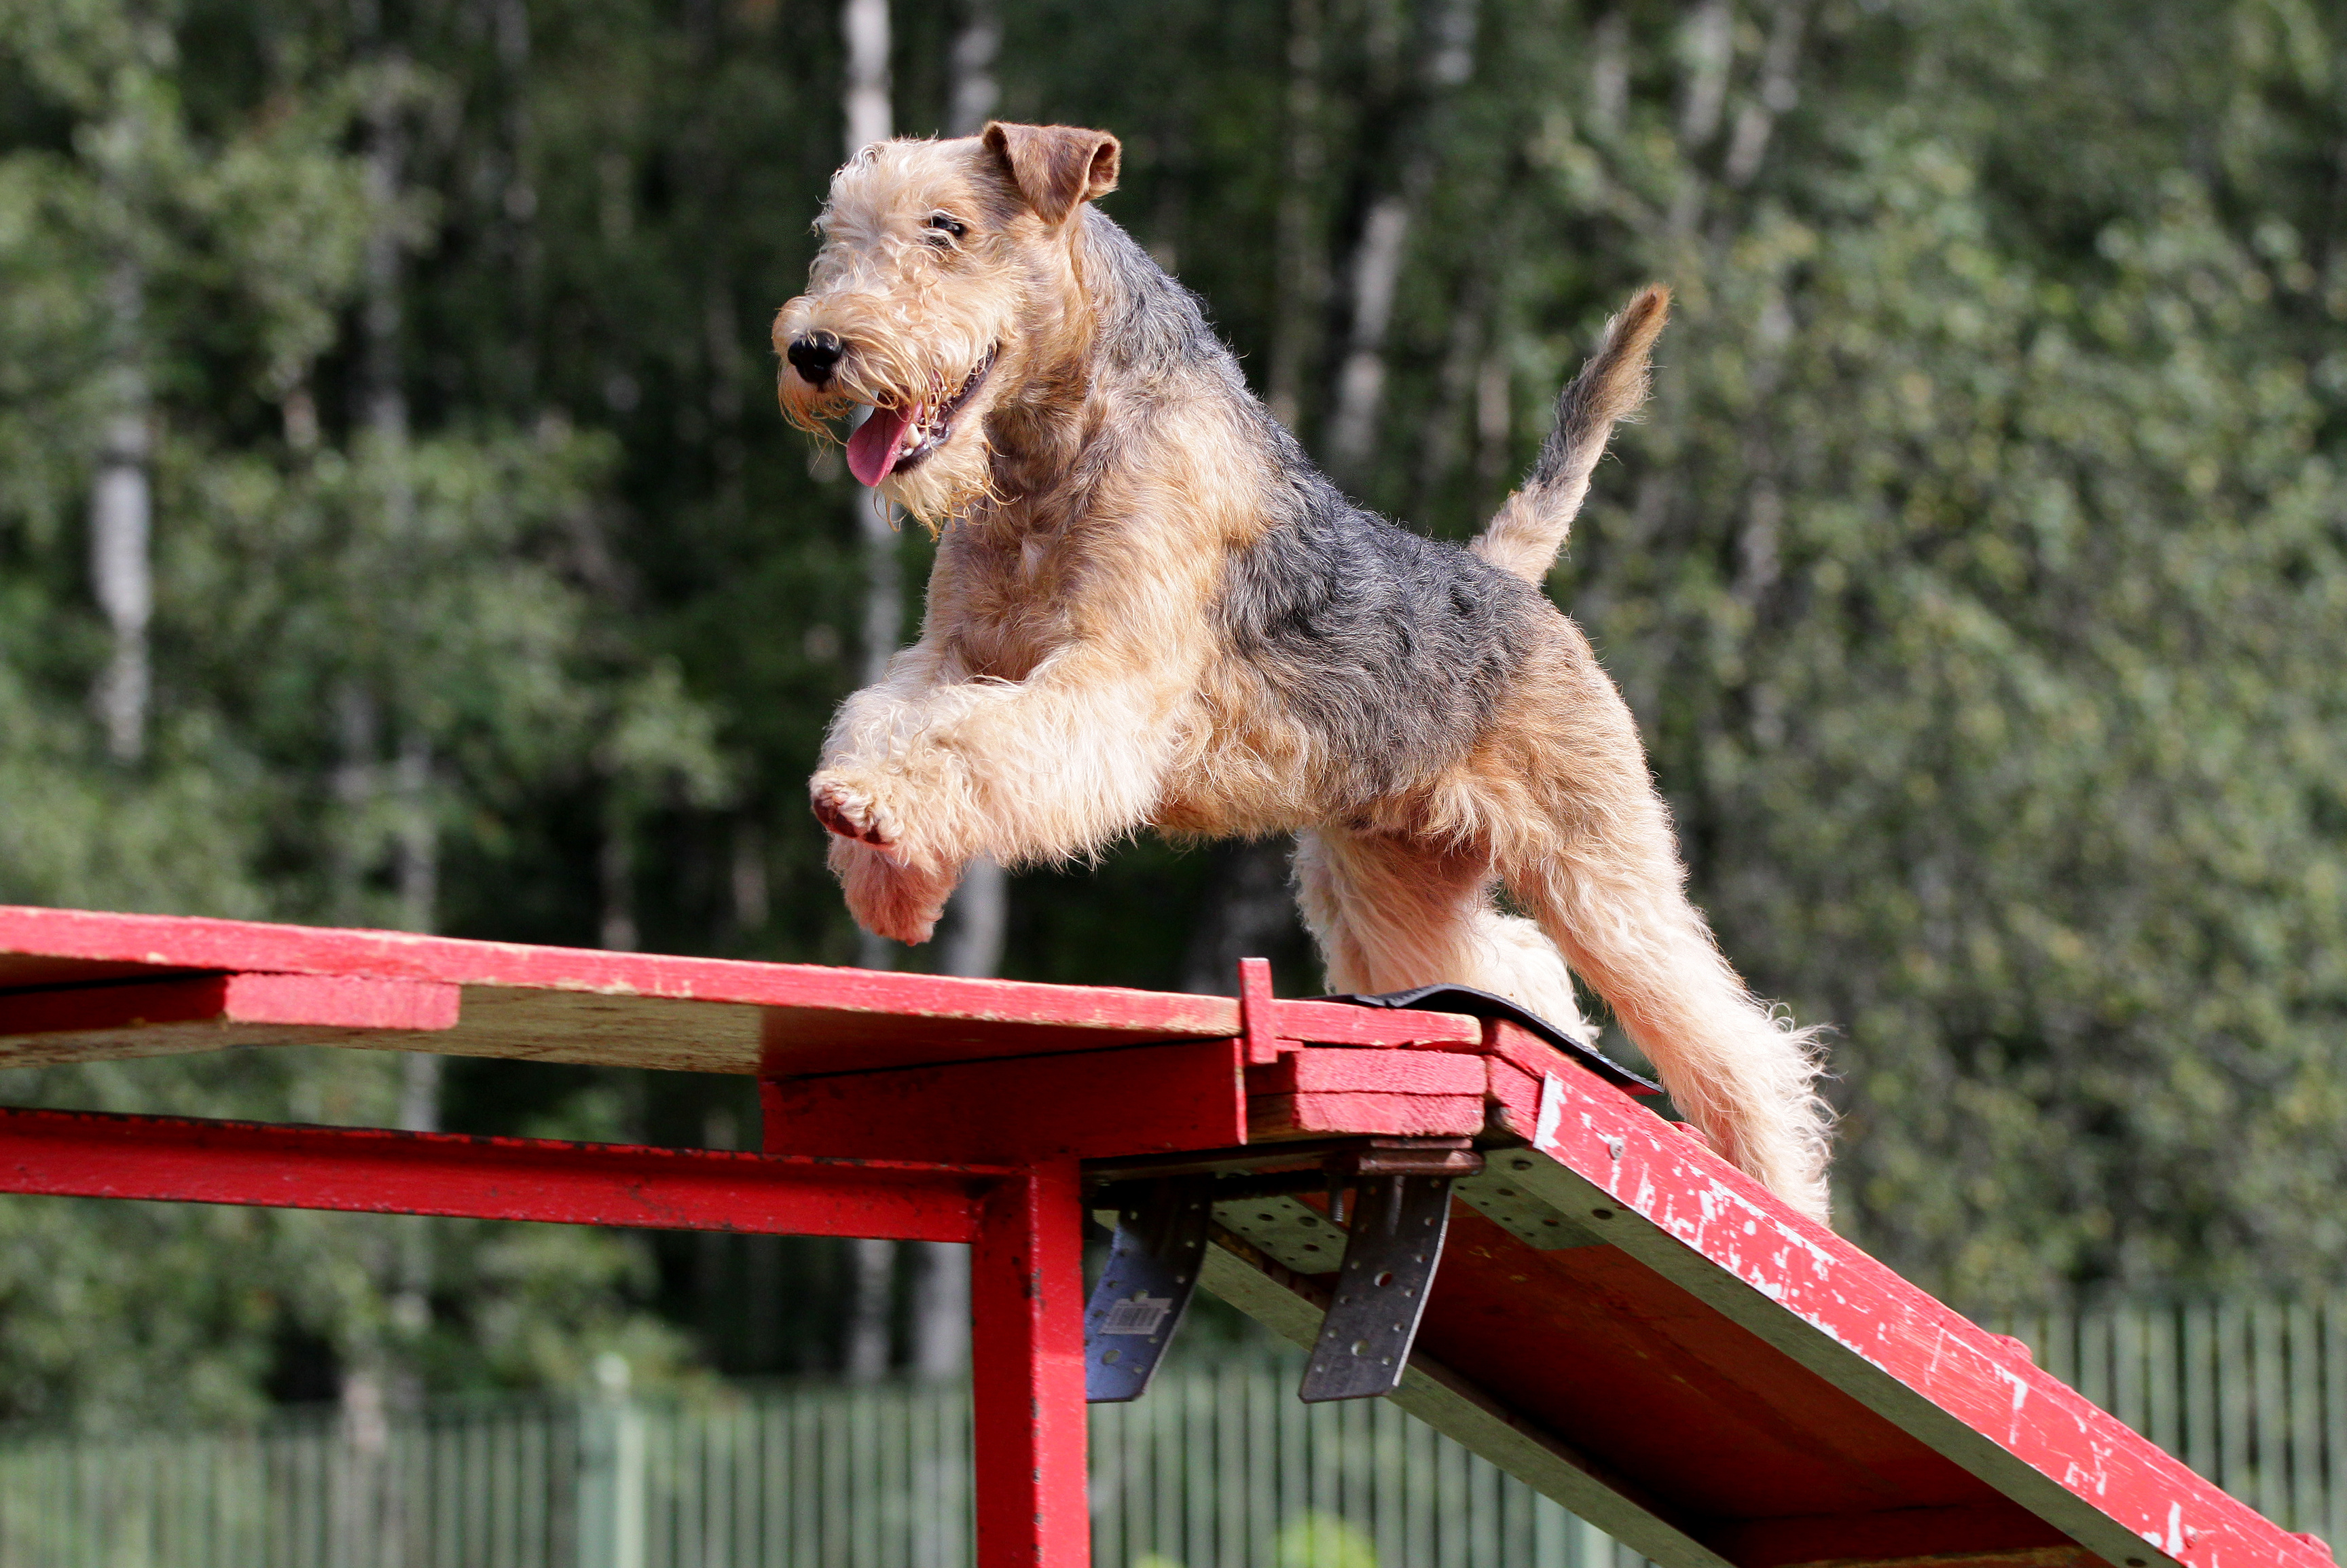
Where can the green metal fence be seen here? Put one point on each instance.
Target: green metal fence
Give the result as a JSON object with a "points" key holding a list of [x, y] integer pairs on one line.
{"points": [[1220, 1467]]}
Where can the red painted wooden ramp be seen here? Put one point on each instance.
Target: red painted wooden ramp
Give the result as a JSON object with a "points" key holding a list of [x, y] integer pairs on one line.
{"points": [[1619, 1319]]}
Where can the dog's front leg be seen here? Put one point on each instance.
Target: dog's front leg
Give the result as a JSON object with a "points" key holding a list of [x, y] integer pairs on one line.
{"points": [[915, 784], [901, 903], [863, 794]]}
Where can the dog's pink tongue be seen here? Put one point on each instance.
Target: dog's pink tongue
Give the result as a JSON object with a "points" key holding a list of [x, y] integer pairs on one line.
{"points": [[871, 450]]}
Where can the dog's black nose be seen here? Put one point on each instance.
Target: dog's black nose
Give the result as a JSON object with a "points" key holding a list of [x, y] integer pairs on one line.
{"points": [[815, 355]]}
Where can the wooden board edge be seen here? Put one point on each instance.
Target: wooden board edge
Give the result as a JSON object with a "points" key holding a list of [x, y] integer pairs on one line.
{"points": [[1845, 1368], [201, 945]]}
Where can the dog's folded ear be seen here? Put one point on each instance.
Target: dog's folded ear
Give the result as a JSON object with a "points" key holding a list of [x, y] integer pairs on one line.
{"points": [[1057, 168]]}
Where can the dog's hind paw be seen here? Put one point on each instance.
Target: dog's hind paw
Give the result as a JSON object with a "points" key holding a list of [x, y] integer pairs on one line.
{"points": [[852, 811]]}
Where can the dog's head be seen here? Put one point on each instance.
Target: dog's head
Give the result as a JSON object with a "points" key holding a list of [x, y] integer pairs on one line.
{"points": [[946, 288]]}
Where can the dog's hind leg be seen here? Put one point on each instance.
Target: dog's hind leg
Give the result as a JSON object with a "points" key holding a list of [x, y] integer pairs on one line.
{"points": [[1745, 1077], [1392, 913], [1582, 841]]}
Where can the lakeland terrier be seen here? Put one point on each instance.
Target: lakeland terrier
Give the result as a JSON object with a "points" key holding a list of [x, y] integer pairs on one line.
{"points": [[1149, 609]]}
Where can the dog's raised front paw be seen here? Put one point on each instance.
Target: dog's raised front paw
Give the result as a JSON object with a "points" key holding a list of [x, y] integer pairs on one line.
{"points": [[851, 808], [887, 899]]}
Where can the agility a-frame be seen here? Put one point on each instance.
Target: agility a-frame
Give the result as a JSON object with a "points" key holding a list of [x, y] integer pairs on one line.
{"points": [[1451, 1211]]}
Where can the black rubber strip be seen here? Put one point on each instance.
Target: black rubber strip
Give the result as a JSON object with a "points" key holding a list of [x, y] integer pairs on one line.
{"points": [[1483, 1004]]}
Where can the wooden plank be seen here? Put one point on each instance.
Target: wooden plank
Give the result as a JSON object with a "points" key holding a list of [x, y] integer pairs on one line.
{"points": [[1140, 1100], [1521, 1049], [1392, 1115], [373, 1170], [633, 1009], [1998, 1533], [1314, 1069], [1340, 1023], [1682, 1212], [599, 1030], [2029, 1557], [208, 1012], [814, 1018]]}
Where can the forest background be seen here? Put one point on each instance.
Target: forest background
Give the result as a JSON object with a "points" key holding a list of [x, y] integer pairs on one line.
{"points": [[396, 528]]}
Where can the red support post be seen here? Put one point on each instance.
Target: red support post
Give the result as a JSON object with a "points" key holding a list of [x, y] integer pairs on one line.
{"points": [[1027, 1382]]}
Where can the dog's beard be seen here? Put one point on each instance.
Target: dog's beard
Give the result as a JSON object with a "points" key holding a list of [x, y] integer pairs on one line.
{"points": [[948, 483]]}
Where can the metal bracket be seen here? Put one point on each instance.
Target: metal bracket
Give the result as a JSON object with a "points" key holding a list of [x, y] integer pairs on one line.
{"points": [[1153, 1267], [1396, 1226]]}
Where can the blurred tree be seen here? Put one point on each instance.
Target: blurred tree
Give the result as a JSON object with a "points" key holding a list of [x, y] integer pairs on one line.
{"points": [[361, 641]]}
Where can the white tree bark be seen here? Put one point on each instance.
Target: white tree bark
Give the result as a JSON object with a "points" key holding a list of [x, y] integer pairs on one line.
{"points": [[1249, 911], [869, 118], [1303, 263], [1375, 271], [1710, 44], [121, 519], [615, 878], [975, 90], [979, 912], [1707, 45], [753, 893], [864, 1352], [1609, 73], [979, 915], [1778, 92], [1361, 381], [416, 831], [397, 794]]}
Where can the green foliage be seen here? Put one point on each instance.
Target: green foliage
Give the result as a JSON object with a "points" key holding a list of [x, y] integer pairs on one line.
{"points": [[1977, 573], [1323, 1541], [1978, 586]]}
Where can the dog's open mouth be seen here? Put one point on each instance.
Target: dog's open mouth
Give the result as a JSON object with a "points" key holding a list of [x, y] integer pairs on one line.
{"points": [[894, 438]]}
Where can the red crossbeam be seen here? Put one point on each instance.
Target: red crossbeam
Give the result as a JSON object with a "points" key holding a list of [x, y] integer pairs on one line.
{"points": [[370, 1170]]}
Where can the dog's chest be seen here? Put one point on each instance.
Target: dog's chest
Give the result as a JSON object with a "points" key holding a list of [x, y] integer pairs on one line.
{"points": [[1010, 597]]}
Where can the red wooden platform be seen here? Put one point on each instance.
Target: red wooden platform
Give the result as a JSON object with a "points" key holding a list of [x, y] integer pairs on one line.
{"points": [[1620, 1319]]}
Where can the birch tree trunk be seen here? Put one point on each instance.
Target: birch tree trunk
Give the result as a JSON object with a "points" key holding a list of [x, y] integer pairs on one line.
{"points": [[383, 415], [382, 1374], [865, 1340], [979, 910], [871, 1277], [975, 89], [1375, 275], [1303, 268], [870, 117], [121, 508], [415, 840], [1777, 93]]}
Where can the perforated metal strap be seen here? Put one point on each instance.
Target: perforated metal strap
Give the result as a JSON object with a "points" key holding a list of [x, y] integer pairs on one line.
{"points": [[1391, 1251], [1153, 1267]]}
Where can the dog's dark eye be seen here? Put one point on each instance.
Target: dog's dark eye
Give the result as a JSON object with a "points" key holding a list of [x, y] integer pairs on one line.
{"points": [[944, 227]]}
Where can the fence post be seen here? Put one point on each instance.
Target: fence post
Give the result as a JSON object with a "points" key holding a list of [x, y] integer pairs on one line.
{"points": [[610, 1471]]}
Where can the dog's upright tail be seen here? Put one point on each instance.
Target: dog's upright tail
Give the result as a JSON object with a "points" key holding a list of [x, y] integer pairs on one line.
{"points": [[1530, 529]]}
